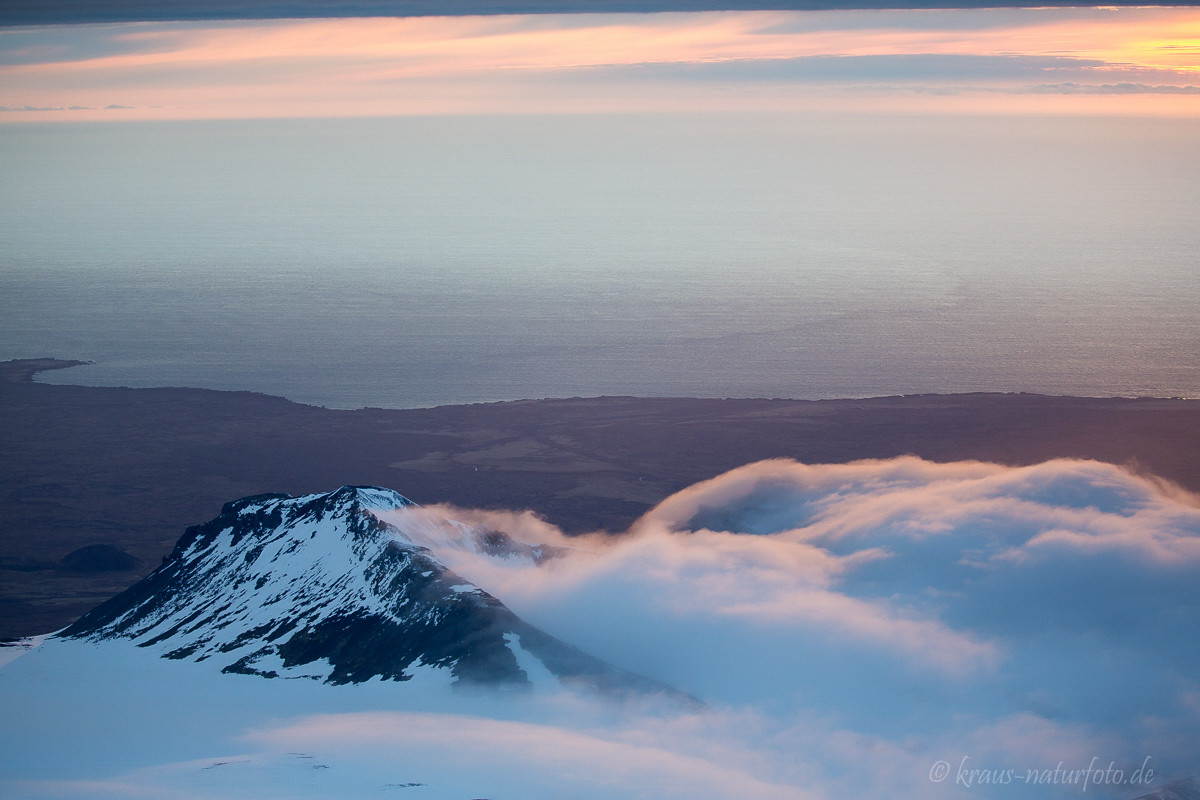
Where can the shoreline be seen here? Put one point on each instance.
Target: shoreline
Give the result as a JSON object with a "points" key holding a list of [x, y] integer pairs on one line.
{"points": [[25, 369], [22, 370]]}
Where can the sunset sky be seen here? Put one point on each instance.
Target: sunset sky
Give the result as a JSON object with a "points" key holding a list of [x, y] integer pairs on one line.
{"points": [[1097, 60], [962, 217]]}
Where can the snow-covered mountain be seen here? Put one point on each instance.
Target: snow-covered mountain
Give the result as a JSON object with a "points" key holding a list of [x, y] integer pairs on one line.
{"points": [[321, 587]]}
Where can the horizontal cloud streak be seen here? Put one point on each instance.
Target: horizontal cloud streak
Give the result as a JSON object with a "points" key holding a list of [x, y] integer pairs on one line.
{"points": [[883, 67], [617, 62], [110, 107], [1111, 88]]}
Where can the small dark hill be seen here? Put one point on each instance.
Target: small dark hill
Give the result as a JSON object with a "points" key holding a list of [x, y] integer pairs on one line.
{"points": [[98, 558]]}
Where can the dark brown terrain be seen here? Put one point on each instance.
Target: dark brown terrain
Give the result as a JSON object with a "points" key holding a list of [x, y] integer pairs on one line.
{"points": [[96, 484]]}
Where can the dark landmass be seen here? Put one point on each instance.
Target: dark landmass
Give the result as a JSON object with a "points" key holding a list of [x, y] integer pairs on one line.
{"points": [[23, 370], [129, 469], [51, 12]]}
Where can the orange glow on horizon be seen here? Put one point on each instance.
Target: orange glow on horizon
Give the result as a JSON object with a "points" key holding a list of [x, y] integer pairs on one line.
{"points": [[539, 64]]}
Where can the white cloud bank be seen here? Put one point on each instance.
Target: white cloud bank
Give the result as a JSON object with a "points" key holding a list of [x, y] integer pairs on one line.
{"points": [[894, 596], [849, 628]]}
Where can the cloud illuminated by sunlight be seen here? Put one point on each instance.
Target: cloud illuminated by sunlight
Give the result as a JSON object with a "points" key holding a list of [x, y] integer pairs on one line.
{"points": [[619, 62]]}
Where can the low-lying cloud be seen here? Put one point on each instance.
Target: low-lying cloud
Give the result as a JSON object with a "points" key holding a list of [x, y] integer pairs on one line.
{"points": [[897, 628], [895, 596]]}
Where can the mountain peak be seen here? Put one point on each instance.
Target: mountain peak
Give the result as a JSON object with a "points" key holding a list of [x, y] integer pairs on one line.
{"points": [[333, 587]]}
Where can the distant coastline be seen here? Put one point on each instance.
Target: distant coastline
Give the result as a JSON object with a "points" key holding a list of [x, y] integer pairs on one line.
{"points": [[22, 370], [27, 370]]}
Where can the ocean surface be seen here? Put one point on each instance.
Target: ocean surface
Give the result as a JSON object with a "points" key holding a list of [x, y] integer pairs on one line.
{"points": [[410, 262]]}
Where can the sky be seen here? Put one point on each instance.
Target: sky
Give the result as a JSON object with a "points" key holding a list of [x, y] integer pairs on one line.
{"points": [[1038, 61]]}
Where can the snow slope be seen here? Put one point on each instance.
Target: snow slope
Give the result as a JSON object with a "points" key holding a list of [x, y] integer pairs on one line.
{"points": [[320, 587]]}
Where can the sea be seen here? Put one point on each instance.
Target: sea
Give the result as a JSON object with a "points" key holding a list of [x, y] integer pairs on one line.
{"points": [[419, 261]]}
